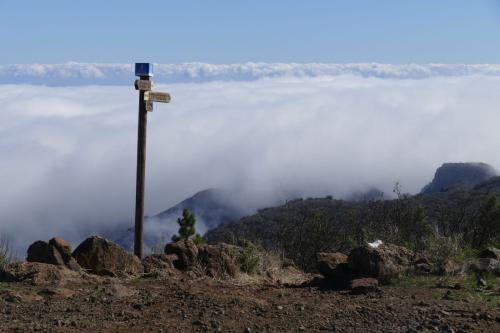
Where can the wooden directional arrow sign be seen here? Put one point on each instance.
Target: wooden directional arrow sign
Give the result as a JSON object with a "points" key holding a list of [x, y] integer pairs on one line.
{"points": [[154, 96], [143, 85]]}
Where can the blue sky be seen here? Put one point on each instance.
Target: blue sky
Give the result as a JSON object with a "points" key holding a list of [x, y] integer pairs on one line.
{"points": [[230, 31]]}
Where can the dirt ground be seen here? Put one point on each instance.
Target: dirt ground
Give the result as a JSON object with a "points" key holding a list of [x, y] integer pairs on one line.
{"points": [[182, 303]]}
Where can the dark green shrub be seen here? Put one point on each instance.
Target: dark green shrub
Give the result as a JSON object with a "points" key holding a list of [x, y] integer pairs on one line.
{"points": [[249, 259], [186, 226]]}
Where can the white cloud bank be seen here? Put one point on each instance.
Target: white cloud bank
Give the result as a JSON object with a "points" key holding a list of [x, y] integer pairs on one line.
{"points": [[67, 162], [122, 74]]}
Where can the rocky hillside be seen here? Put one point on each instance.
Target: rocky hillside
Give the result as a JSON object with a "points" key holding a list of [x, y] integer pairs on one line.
{"points": [[466, 175]]}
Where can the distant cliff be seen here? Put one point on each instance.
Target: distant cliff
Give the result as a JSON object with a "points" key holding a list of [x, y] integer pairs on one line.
{"points": [[466, 175]]}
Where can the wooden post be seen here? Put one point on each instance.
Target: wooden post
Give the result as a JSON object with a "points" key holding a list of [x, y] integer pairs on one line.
{"points": [[141, 174], [146, 98]]}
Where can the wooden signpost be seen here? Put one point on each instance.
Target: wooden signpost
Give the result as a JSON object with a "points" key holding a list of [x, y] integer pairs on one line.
{"points": [[146, 98], [157, 96]]}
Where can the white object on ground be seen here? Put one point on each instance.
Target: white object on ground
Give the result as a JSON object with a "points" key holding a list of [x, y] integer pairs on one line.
{"points": [[375, 244]]}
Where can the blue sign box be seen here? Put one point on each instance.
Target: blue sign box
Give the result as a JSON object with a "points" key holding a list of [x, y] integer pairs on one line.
{"points": [[143, 69]]}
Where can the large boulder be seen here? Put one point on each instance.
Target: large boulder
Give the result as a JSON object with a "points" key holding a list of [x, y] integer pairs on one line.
{"points": [[327, 263], [491, 252], [63, 246], [218, 261], [382, 262], [186, 251], [103, 257], [43, 252]]}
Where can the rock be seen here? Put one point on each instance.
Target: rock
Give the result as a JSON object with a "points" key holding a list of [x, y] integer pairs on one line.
{"points": [[334, 267], [43, 252], [422, 266], [186, 251], [383, 262], [328, 262], [363, 286], [59, 292], [491, 253], [19, 297], [103, 257], [119, 291], [159, 263], [449, 267], [39, 274], [218, 260], [63, 246], [483, 265], [73, 265]]}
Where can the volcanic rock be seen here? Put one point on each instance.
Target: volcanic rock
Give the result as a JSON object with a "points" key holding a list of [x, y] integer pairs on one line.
{"points": [[158, 264], [37, 273], [103, 257], [218, 260], [363, 286], [328, 262], [63, 246], [43, 252], [382, 262], [186, 251], [483, 265]]}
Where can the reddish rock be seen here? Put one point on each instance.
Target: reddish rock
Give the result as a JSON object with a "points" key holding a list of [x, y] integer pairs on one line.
{"points": [[363, 286], [43, 252]]}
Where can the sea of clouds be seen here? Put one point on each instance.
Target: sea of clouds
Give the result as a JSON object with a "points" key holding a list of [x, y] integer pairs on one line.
{"points": [[265, 132]]}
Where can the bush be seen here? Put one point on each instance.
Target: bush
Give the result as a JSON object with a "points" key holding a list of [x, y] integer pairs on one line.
{"points": [[5, 252], [198, 240], [249, 259]]}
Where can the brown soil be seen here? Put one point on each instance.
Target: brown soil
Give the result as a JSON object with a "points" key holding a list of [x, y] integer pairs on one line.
{"points": [[182, 303]]}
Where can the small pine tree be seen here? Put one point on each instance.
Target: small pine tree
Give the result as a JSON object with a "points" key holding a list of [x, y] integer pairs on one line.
{"points": [[187, 229], [198, 240]]}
